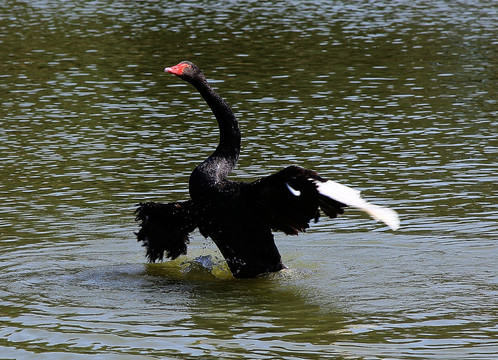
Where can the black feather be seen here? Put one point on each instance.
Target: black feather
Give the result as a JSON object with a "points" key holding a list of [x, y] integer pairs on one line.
{"points": [[164, 228]]}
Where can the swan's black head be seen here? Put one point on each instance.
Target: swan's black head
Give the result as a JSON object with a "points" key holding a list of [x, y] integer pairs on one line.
{"points": [[186, 70]]}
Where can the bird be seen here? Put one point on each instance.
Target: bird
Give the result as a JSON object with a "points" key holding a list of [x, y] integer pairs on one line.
{"points": [[240, 217]]}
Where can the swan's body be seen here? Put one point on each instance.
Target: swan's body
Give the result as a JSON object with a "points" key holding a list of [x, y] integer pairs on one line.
{"points": [[239, 217]]}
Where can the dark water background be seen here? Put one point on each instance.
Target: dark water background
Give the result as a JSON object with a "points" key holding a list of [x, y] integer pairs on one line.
{"points": [[397, 98]]}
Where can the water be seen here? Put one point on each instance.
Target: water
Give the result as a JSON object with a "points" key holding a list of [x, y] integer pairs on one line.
{"points": [[395, 98]]}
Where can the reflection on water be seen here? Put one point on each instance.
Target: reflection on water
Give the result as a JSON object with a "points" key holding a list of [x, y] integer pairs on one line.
{"points": [[396, 99]]}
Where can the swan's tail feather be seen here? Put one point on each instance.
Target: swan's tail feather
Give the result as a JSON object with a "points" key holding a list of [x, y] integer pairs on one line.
{"points": [[164, 228], [351, 197]]}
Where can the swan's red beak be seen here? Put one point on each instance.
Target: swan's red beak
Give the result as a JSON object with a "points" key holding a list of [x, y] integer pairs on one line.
{"points": [[177, 69]]}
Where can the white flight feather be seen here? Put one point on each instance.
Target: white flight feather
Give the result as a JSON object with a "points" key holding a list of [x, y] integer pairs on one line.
{"points": [[292, 190], [351, 197]]}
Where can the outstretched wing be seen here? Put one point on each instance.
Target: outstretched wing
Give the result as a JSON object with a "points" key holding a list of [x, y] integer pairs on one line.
{"points": [[289, 199], [164, 228], [292, 197]]}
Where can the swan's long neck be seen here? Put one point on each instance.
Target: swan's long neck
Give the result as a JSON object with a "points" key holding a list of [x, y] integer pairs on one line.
{"points": [[222, 161]]}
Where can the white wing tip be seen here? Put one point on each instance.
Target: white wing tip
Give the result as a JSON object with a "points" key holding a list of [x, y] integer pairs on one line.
{"points": [[351, 197], [386, 215]]}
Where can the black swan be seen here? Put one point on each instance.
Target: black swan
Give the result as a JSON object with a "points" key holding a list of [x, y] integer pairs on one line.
{"points": [[238, 216]]}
